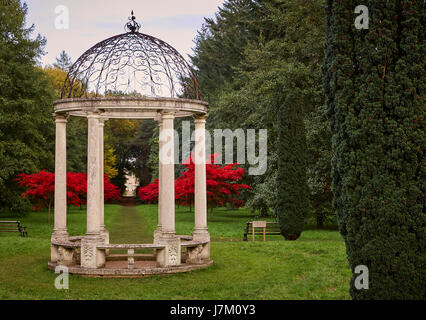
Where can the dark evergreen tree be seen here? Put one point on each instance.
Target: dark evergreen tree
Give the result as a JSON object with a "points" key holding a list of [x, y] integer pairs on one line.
{"points": [[374, 80], [26, 96], [292, 189]]}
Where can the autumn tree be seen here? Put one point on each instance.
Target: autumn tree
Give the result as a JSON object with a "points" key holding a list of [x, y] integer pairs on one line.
{"points": [[221, 183], [40, 189]]}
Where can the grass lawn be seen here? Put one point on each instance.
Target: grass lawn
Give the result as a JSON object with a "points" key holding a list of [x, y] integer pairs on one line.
{"points": [[313, 267]]}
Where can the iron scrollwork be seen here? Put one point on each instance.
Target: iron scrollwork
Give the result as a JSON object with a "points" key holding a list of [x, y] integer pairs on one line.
{"points": [[134, 64]]}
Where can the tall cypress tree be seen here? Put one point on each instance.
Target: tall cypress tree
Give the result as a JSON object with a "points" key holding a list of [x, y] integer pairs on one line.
{"points": [[292, 189], [374, 81]]}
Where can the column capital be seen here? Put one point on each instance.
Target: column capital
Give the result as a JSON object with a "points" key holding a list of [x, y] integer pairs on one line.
{"points": [[102, 121], [61, 118], [93, 115], [167, 115], [200, 118]]}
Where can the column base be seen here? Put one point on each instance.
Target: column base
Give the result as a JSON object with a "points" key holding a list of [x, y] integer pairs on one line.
{"points": [[170, 256], [201, 235], [91, 257], [60, 235], [157, 235]]}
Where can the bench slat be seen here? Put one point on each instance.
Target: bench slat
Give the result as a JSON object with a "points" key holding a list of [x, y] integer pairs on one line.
{"points": [[13, 226], [271, 229]]}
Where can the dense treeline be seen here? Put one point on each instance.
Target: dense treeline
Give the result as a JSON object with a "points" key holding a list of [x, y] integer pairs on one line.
{"points": [[259, 66], [27, 133]]}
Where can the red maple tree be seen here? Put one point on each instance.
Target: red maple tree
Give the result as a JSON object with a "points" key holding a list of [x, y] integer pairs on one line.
{"points": [[149, 193], [221, 182], [40, 188]]}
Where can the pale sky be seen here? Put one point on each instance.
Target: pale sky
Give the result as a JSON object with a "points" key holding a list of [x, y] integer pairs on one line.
{"points": [[91, 21]]}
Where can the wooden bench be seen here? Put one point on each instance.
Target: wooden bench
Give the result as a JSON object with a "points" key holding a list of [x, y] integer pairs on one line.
{"points": [[13, 226], [261, 228]]}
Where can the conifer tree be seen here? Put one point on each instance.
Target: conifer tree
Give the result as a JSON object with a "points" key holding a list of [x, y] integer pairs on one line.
{"points": [[374, 80]]}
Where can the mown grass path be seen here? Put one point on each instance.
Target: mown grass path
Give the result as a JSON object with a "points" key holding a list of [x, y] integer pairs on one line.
{"points": [[129, 227]]}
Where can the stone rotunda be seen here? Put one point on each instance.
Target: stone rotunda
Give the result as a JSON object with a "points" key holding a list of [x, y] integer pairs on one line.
{"points": [[130, 76]]}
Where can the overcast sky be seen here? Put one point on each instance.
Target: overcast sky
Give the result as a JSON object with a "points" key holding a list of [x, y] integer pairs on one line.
{"points": [[90, 21]]}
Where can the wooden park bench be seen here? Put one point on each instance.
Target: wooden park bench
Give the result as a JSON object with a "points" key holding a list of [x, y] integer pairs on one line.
{"points": [[13, 226], [261, 228]]}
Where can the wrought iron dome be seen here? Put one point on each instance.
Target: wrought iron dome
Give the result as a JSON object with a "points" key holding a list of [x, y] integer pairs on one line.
{"points": [[131, 64]]}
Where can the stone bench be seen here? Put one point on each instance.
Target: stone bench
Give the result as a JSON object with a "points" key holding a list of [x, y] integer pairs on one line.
{"points": [[130, 250], [66, 244], [197, 251], [64, 252]]}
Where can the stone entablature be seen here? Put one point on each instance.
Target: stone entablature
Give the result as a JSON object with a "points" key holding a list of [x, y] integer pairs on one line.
{"points": [[130, 107]]}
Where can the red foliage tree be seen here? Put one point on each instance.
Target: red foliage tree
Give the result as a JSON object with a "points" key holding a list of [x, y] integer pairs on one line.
{"points": [[40, 188], [222, 186], [111, 192], [76, 188], [149, 193]]}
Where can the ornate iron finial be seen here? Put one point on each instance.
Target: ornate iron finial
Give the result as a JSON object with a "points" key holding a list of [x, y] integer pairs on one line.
{"points": [[132, 25]]}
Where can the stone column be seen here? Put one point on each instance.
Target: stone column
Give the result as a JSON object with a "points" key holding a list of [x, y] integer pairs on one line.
{"points": [[91, 257], [60, 210], [60, 226], [167, 180], [171, 254], [200, 202], [200, 196], [158, 231], [104, 232]]}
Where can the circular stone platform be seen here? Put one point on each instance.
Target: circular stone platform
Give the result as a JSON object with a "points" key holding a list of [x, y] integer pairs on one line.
{"points": [[118, 269]]}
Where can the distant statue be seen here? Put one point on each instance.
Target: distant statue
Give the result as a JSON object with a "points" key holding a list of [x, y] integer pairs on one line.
{"points": [[131, 184]]}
